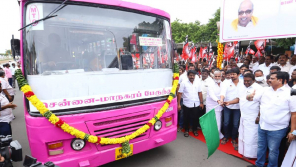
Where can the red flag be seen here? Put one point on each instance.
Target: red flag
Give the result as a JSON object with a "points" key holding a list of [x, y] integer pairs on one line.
{"points": [[185, 52], [204, 52], [200, 53], [136, 60], [260, 44], [251, 51], [258, 54], [193, 56], [133, 39]]}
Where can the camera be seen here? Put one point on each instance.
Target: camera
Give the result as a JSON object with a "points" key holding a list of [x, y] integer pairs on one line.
{"points": [[10, 150], [32, 162]]}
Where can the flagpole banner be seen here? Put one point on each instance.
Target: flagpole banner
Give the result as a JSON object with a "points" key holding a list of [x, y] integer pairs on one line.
{"points": [[257, 19], [209, 128]]}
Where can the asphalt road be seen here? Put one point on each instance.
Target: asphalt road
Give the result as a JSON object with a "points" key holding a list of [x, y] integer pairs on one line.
{"points": [[183, 152]]}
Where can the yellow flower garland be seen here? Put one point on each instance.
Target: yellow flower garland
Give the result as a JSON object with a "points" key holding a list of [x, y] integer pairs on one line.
{"points": [[26, 89], [220, 55]]}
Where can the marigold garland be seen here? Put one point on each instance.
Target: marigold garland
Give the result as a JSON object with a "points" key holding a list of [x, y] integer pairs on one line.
{"points": [[26, 89], [220, 55]]}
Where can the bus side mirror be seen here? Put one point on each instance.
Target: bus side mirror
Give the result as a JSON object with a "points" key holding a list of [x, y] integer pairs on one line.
{"points": [[15, 47]]}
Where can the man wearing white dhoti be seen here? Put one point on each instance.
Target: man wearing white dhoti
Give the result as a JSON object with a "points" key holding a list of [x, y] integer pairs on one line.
{"points": [[290, 158], [248, 130], [213, 99]]}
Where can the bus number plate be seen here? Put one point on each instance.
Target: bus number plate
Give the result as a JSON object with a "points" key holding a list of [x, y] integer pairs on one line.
{"points": [[118, 152]]}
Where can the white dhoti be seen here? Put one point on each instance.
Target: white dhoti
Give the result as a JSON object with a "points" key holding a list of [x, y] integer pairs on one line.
{"points": [[218, 113], [290, 158], [248, 138]]}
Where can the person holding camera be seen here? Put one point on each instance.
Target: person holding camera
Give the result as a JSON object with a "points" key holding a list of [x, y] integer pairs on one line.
{"points": [[6, 115], [4, 162]]}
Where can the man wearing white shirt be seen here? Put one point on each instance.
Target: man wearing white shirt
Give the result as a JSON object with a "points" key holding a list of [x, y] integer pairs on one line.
{"points": [[283, 64], [181, 79], [184, 75], [7, 90], [213, 99], [276, 108], [291, 70], [205, 82], [228, 93], [191, 92], [254, 64], [248, 130], [259, 78], [266, 66]]}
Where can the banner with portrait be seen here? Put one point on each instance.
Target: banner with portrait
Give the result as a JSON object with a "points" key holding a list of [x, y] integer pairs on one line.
{"points": [[257, 19]]}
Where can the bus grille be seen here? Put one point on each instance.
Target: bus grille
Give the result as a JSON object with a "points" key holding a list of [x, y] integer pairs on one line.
{"points": [[120, 126]]}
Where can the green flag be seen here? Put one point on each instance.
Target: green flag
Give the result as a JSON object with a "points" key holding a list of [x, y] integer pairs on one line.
{"points": [[209, 128]]}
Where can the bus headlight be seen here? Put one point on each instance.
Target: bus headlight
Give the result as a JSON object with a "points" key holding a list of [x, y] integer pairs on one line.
{"points": [[77, 144], [157, 125]]}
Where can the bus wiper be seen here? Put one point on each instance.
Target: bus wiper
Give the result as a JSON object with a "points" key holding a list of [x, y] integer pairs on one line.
{"points": [[50, 15], [45, 18]]}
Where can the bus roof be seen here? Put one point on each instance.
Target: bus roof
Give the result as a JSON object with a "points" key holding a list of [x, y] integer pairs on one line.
{"points": [[128, 5]]}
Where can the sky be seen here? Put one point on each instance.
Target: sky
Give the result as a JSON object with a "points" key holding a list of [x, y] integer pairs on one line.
{"points": [[185, 10]]}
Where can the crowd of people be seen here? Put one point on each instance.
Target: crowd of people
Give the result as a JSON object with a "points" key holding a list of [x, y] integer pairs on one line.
{"points": [[7, 93], [252, 100]]}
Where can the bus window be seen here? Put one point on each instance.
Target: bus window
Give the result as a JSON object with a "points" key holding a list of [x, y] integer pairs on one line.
{"points": [[92, 39]]}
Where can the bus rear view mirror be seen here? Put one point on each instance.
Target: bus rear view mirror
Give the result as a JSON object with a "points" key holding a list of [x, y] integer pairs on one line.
{"points": [[15, 47]]}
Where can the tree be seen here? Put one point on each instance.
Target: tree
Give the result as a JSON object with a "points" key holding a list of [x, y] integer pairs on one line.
{"points": [[7, 52], [285, 42], [180, 30], [195, 31]]}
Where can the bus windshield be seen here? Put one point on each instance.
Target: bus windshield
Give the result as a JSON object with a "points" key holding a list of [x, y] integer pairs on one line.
{"points": [[83, 38], [69, 59]]}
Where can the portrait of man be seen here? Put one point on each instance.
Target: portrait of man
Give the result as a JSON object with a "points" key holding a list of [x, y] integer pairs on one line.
{"points": [[245, 16]]}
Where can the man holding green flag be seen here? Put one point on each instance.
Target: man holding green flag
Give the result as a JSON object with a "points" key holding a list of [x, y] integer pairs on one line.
{"points": [[211, 121]]}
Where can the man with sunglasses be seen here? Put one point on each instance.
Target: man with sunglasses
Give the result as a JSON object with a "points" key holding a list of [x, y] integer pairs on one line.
{"points": [[245, 16]]}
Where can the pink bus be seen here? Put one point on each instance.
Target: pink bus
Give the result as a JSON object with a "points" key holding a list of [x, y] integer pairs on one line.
{"points": [[105, 68]]}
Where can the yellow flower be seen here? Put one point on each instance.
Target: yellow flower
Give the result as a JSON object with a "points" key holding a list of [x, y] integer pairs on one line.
{"points": [[92, 139], [26, 88], [53, 119], [176, 75]]}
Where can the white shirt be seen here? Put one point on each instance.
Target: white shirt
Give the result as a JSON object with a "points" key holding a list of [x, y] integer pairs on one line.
{"points": [[254, 66], [229, 91], [6, 114], [5, 85], [249, 109], [204, 87], [12, 70], [183, 77], [275, 108], [239, 64], [291, 70], [265, 69], [190, 93], [286, 67], [213, 96]]}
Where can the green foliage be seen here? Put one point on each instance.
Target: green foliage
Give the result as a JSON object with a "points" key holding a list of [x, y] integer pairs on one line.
{"points": [[7, 52], [195, 31], [285, 42]]}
